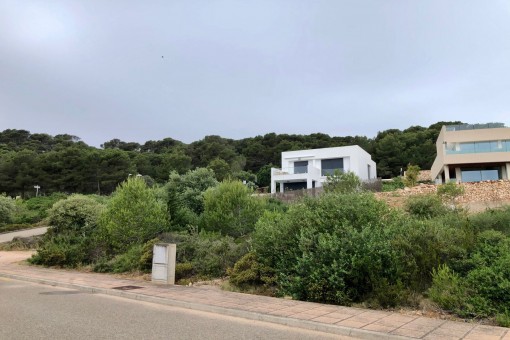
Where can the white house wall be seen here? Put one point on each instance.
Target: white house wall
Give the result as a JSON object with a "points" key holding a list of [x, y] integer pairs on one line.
{"points": [[355, 159]]}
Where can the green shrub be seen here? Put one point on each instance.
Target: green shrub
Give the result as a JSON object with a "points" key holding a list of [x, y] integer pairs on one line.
{"points": [[329, 249], [503, 319], [77, 214], [394, 184], [61, 250], [493, 219], [249, 271], [343, 183], [128, 261], [231, 209], [425, 206], [36, 209], [7, 209], [448, 289], [411, 175], [449, 192], [132, 216], [185, 195], [484, 290], [210, 254], [183, 271]]}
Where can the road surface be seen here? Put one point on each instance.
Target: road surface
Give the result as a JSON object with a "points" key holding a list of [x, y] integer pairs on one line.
{"points": [[7, 237], [33, 311]]}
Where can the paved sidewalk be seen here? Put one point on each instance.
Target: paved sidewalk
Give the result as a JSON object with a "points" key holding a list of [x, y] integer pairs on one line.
{"points": [[355, 322]]}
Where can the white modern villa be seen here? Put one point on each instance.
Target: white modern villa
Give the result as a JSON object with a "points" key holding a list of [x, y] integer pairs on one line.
{"points": [[306, 169]]}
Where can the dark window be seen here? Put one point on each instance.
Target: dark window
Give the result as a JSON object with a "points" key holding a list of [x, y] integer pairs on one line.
{"points": [[294, 186], [330, 165], [301, 167]]}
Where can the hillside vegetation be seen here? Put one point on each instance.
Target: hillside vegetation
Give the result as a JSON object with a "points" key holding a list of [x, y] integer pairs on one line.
{"points": [[64, 163]]}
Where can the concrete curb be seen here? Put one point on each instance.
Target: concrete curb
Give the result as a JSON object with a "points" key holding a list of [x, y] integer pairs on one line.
{"points": [[304, 324]]}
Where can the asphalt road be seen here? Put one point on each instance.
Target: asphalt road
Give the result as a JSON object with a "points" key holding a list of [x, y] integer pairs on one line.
{"points": [[33, 311], [23, 233]]}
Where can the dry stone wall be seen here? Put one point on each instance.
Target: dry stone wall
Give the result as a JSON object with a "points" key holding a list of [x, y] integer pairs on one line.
{"points": [[479, 192]]}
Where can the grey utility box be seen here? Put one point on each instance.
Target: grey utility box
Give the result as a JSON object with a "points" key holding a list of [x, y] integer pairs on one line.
{"points": [[163, 263]]}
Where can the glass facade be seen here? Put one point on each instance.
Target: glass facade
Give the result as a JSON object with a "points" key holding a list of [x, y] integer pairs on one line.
{"points": [[477, 147], [477, 175]]}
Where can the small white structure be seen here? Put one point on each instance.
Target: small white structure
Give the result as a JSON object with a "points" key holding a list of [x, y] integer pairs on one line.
{"points": [[163, 263], [306, 169]]}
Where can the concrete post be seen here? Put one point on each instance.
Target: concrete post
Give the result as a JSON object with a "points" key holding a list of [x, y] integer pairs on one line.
{"points": [[507, 171], [458, 175], [446, 174]]}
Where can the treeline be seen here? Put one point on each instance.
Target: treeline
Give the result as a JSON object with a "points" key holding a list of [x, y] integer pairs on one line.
{"points": [[64, 163]]}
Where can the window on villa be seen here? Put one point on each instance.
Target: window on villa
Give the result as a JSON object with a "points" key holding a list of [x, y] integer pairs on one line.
{"points": [[477, 175], [330, 165], [301, 167]]}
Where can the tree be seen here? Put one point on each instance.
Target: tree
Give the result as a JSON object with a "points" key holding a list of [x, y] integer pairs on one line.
{"points": [[132, 216], [264, 175], [220, 167], [411, 176], [231, 209], [185, 198]]}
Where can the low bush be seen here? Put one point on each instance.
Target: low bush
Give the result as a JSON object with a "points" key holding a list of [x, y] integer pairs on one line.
{"points": [[425, 206], [394, 184], [209, 254], [484, 289], [77, 214], [248, 271], [61, 250], [493, 219], [7, 209]]}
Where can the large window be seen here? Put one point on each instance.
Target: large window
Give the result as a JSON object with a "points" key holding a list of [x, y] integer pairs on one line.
{"points": [[477, 175], [301, 167], [329, 166]]}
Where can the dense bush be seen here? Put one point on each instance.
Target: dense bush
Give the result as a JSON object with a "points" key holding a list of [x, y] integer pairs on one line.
{"points": [[493, 219], [68, 242], [7, 209], [394, 184], [36, 209], [343, 182], [332, 249], [231, 209], [425, 206], [132, 216], [248, 271], [77, 214], [205, 255], [185, 196], [482, 289]]}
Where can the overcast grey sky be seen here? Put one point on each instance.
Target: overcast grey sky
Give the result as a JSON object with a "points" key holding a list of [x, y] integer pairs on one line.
{"points": [[142, 70]]}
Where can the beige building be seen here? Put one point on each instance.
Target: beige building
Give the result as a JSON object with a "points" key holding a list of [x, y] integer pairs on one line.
{"points": [[472, 153]]}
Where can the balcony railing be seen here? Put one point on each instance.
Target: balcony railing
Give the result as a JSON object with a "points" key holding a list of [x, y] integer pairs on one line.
{"points": [[291, 171], [462, 127], [477, 147]]}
